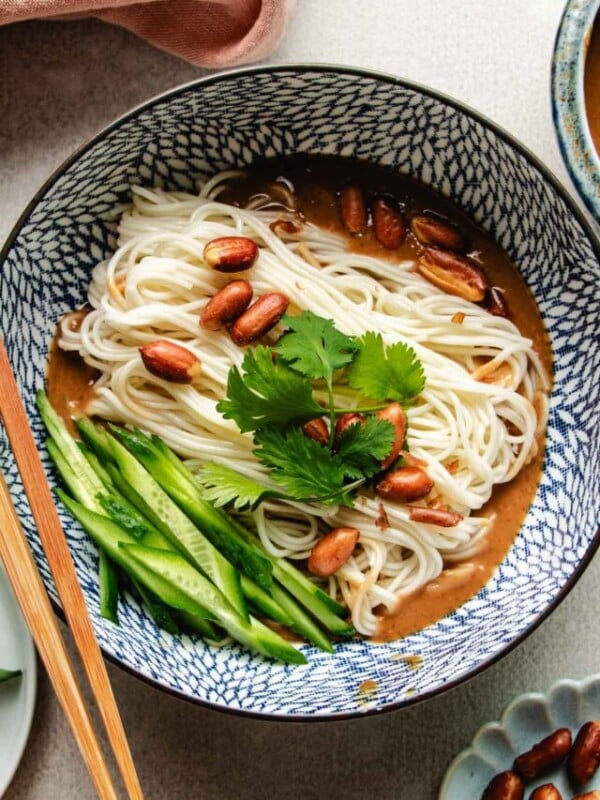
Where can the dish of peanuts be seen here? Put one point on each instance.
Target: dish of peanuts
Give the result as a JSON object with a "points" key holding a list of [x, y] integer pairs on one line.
{"points": [[544, 748]]}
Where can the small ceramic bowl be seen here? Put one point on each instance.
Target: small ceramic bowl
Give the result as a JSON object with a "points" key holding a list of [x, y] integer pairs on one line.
{"points": [[527, 720], [232, 120], [568, 102]]}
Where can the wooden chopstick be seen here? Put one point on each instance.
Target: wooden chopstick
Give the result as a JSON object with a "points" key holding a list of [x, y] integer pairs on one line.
{"points": [[41, 620], [63, 571]]}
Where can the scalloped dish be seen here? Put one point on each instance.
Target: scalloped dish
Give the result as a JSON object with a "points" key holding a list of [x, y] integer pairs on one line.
{"points": [[528, 719]]}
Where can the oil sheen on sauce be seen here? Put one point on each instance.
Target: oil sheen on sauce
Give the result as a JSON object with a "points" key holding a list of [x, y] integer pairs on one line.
{"points": [[317, 182], [591, 84]]}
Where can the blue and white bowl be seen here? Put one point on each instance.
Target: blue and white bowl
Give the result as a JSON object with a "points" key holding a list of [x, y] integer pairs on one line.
{"points": [[568, 101], [231, 120]]}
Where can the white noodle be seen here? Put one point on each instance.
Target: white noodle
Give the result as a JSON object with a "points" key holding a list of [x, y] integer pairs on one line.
{"points": [[486, 429]]}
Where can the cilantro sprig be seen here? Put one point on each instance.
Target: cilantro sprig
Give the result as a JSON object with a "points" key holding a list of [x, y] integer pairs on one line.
{"points": [[268, 393], [386, 373], [272, 396]]}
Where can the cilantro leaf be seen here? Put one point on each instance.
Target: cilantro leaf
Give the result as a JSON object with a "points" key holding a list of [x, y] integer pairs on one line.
{"points": [[390, 373], [314, 347], [223, 485], [363, 447], [304, 468], [267, 393]]}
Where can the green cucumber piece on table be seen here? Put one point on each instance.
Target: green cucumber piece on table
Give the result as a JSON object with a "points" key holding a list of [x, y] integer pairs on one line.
{"points": [[179, 483], [177, 527], [9, 674], [175, 570], [110, 536]]}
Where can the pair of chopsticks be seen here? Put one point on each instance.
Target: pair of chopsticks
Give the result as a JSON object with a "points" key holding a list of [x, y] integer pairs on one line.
{"points": [[31, 595]]}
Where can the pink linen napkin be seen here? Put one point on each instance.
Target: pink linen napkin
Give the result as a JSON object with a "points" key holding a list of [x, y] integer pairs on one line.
{"points": [[208, 33]]}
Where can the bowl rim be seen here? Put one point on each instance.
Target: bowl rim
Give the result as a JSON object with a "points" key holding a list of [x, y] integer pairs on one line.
{"points": [[502, 134], [568, 100]]}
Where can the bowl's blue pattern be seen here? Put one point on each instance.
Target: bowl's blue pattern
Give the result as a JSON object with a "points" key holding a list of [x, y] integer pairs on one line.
{"points": [[568, 101], [232, 120]]}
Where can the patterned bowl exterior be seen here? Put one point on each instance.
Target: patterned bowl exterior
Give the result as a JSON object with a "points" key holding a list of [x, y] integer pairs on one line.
{"points": [[231, 120], [568, 101], [528, 719]]}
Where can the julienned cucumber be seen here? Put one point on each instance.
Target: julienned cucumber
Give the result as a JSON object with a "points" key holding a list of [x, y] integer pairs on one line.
{"points": [[176, 527], [85, 485], [175, 570], [170, 473], [111, 536]]}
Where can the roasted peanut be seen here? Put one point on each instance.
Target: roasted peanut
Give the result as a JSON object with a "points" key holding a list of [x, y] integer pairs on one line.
{"points": [[388, 223], [317, 429], [585, 755], [263, 315], [344, 421], [544, 756], [430, 230], [394, 414], [353, 210], [504, 786], [434, 516], [170, 361], [226, 305], [546, 792], [332, 551], [495, 302], [405, 485], [285, 228], [453, 273], [230, 253]]}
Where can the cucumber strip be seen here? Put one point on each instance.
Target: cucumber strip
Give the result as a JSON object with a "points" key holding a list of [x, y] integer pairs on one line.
{"points": [[9, 674], [301, 622], [192, 624], [285, 572], [108, 581], [321, 612], [159, 612], [78, 488], [95, 437], [264, 602], [179, 529], [110, 536], [175, 570], [300, 578], [68, 446], [95, 464], [179, 483], [107, 576], [125, 514]]}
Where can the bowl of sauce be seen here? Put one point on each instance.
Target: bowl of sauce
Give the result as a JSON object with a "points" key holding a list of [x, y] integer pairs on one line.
{"points": [[576, 97]]}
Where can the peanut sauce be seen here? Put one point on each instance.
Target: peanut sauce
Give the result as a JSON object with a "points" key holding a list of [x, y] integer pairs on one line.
{"points": [[317, 182], [591, 84]]}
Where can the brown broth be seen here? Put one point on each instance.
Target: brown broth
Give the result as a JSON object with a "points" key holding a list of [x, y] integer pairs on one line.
{"points": [[591, 84], [69, 381], [317, 183]]}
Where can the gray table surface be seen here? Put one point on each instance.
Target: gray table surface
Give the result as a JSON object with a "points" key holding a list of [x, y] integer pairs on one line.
{"points": [[60, 82]]}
